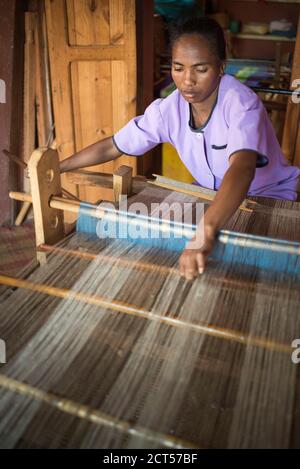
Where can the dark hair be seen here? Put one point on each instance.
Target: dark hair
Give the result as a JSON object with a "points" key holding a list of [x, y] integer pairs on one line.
{"points": [[205, 27]]}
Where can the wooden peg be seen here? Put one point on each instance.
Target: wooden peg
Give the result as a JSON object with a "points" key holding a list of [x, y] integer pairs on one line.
{"points": [[122, 182], [22, 213], [45, 182]]}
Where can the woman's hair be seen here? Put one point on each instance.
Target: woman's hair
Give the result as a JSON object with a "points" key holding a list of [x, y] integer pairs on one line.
{"points": [[205, 27]]}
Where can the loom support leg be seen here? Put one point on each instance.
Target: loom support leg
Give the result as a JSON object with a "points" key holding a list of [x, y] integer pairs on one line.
{"points": [[122, 182], [45, 182]]}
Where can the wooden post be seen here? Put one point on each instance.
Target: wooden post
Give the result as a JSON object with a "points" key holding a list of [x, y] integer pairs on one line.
{"points": [[291, 133], [42, 78], [45, 182], [122, 182], [22, 213], [29, 87]]}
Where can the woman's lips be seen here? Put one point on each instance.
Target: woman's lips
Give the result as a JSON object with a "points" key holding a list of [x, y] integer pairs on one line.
{"points": [[189, 94]]}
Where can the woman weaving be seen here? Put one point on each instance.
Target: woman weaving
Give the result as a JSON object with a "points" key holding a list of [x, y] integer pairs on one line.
{"points": [[219, 127]]}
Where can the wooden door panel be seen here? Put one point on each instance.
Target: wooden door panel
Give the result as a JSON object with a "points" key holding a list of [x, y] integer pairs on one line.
{"points": [[91, 92], [84, 19], [92, 48]]}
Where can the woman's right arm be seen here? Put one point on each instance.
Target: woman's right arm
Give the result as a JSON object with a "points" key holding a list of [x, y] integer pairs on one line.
{"points": [[98, 153]]}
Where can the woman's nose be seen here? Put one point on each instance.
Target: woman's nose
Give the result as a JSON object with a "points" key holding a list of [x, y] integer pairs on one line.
{"points": [[189, 77]]}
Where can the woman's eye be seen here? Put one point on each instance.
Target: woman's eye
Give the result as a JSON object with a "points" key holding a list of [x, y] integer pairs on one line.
{"points": [[177, 69], [202, 70]]}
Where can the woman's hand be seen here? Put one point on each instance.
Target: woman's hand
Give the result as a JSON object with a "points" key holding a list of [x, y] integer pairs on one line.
{"points": [[193, 259], [230, 195]]}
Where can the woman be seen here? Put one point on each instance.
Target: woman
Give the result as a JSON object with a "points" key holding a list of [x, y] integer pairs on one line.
{"points": [[218, 126]]}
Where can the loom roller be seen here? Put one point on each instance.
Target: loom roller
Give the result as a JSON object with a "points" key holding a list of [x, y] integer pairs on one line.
{"points": [[243, 249], [235, 248]]}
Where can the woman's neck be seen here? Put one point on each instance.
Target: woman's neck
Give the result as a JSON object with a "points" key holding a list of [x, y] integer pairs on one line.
{"points": [[205, 107]]}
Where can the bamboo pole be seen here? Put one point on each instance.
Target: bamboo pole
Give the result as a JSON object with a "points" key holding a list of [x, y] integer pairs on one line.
{"points": [[104, 257], [126, 308], [243, 240], [139, 265], [60, 203], [200, 195], [94, 416], [94, 211]]}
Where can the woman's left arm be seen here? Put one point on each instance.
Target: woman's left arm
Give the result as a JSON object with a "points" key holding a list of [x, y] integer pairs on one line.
{"points": [[231, 194]]}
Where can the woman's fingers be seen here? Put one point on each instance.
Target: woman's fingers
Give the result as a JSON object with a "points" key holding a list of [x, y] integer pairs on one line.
{"points": [[192, 261], [188, 266], [201, 258]]}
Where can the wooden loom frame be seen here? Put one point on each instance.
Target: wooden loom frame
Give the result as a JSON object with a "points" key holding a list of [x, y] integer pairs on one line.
{"points": [[48, 205], [47, 193]]}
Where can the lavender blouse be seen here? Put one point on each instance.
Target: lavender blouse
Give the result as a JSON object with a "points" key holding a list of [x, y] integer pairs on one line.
{"points": [[238, 121]]}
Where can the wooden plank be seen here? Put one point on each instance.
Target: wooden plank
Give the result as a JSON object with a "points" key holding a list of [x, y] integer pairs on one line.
{"points": [[29, 86], [291, 133], [127, 79], [116, 21], [43, 92], [119, 113], [11, 108], [97, 53], [92, 91], [130, 58], [26, 205], [103, 180], [61, 91]]}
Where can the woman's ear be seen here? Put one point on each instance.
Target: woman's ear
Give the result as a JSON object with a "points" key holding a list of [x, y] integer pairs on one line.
{"points": [[222, 69]]}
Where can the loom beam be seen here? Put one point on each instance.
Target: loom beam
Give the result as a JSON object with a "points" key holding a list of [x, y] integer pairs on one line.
{"points": [[132, 310], [49, 205], [46, 196]]}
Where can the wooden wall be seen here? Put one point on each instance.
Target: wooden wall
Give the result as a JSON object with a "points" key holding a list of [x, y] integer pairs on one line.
{"points": [[11, 71]]}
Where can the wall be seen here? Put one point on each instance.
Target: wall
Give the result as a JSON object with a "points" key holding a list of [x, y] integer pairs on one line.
{"points": [[11, 72]]}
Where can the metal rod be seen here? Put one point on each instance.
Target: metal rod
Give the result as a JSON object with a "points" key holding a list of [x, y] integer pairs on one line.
{"points": [[263, 89]]}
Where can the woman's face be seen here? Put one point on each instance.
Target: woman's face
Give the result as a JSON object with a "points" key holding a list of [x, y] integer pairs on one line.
{"points": [[196, 70]]}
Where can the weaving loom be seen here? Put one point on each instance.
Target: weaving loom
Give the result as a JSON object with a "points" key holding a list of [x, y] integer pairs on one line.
{"points": [[108, 347]]}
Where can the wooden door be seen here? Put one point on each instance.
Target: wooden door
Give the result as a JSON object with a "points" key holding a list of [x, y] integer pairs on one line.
{"points": [[92, 48]]}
